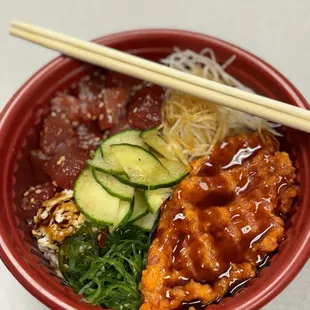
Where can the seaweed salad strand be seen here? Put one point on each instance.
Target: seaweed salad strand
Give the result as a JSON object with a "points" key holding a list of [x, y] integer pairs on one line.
{"points": [[106, 268]]}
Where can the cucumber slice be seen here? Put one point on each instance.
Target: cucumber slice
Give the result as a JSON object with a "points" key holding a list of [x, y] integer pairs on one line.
{"points": [[175, 168], [113, 186], [129, 137], [140, 206], [155, 198], [98, 163], [125, 212], [141, 167], [124, 179], [96, 203], [144, 170], [151, 138], [147, 222]]}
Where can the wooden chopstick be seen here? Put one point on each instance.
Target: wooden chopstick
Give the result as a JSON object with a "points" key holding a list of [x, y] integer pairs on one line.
{"points": [[92, 53], [149, 65]]}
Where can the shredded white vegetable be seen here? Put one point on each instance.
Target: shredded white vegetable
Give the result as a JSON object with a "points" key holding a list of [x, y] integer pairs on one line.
{"points": [[192, 126]]}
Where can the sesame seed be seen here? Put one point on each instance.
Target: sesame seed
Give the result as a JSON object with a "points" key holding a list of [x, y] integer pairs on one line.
{"points": [[38, 191], [44, 215], [119, 105], [101, 104], [63, 115], [94, 118], [88, 115], [53, 114], [32, 200], [109, 111], [55, 184], [135, 110], [26, 194], [60, 160], [101, 117], [75, 123], [97, 139]]}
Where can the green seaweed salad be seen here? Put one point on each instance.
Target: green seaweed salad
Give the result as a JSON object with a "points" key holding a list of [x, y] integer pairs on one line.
{"points": [[106, 268]]}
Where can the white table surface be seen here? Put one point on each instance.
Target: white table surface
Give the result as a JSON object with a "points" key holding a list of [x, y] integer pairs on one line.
{"points": [[276, 30]]}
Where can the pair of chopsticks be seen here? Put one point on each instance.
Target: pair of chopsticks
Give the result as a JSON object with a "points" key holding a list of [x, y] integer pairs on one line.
{"points": [[269, 109]]}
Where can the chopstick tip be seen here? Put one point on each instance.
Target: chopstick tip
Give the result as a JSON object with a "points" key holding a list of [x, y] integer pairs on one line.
{"points": [[17, 23], [14, 22]]}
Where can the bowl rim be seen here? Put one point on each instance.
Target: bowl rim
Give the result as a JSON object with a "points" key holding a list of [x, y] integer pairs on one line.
{"points": [[267, 293]]}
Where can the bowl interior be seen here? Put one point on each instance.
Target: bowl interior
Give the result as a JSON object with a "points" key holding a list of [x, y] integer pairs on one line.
{"points": [[20, 125]]}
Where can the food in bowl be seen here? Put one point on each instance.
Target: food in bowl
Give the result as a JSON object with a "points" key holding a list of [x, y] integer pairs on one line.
{"points": [[157, 199]]}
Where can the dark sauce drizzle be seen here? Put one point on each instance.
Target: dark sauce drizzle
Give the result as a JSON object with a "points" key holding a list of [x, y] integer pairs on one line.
{"points": [[197, 304]]}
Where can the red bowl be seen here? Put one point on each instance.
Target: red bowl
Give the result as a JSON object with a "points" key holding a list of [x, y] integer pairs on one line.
{"points": [[19, 128]]}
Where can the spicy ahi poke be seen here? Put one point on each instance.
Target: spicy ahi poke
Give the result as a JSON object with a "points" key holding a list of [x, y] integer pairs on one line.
{"points": [[157, 199]]}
